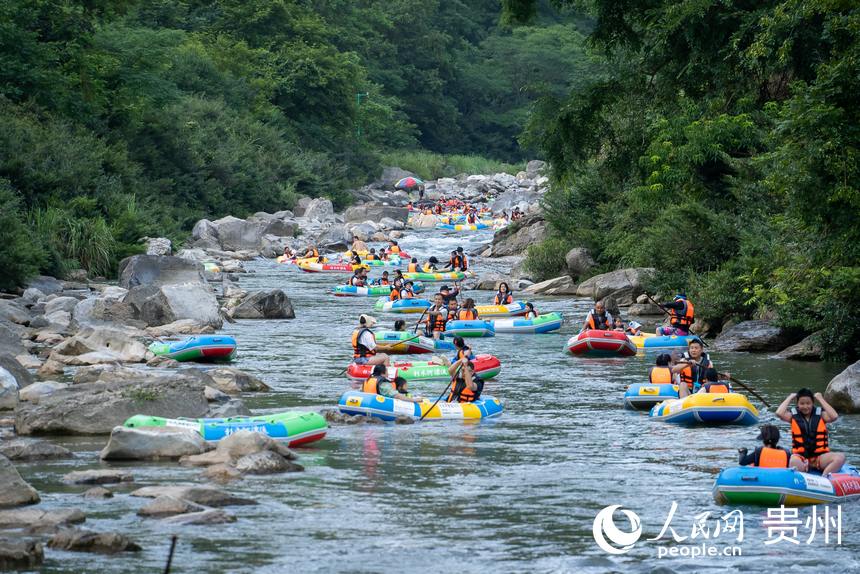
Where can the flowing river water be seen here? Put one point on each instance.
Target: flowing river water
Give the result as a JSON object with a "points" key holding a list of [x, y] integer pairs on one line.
{"points": [[518, 493]]}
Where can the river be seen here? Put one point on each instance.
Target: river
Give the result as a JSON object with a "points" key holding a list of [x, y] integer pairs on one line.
{"points": [[519, 493]]}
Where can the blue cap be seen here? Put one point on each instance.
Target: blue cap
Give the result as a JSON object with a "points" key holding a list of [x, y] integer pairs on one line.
{"points": [[680, 296]]}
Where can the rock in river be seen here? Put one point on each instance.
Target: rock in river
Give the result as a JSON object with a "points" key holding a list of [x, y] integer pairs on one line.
{"points": [[752, 336], [78, 540], [628, 281], [268, 304], [98, 476], [142, 270], [15, 490], [152, 443], [16, 554], [166, 505], [205, 495], [843, 391], [32, 449]]}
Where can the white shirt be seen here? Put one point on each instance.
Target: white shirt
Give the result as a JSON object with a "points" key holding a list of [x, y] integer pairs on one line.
{"points": [[368, 340]]}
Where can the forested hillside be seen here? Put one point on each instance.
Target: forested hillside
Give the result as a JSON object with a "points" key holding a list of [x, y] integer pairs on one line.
{"points": [[721, 148], [129, 118]]}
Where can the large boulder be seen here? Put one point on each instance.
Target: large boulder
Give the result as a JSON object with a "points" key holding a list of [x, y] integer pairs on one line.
{"points": [[204, 235], [535, 167], [46, 285], [15, 491], [152, 443], [8, 390], [94, 345], [11, 336], [14, 312], [32, 449], [422, 221], [98, 407], [234, 382], [37, 519], [359, 213], [236, 234], [205, 495], [563, 285], [247, 453], [516, 238], [319, 209], [629, 281], [391, 175], [18, 554], [752, 336], [579, 262], [153, 270], [267, 304], [162, 304], [843, 391], [164, 506], [77, 540], [809, 349], [21, 375], [158, 246], [336, 237]]}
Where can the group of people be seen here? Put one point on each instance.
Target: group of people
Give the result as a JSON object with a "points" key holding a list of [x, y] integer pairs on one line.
{"points": [[457, 262], [681, 317]]}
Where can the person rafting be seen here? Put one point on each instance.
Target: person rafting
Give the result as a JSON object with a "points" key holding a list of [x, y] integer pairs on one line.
{"points": [[504, 295], [413, 266], [311, 252], [364, 344], [379, 384], [455, 263], [396, 290], [463, 350], [408, 291], [393, 247], [530, 311], [618, 325], [661, 373], [598, 318], [289, 253], [471, 218], [681, 316], [464, 261], [453, 310], [431, 265], [448, 294], [384, 279], [358, 246], [371, 255], [437, 317], [713, 384], [355, 259], [809, 434], [633, 329], [693, 366], [468, 311], [400, 325], [467, 386], [769, 455], [357, 279]]}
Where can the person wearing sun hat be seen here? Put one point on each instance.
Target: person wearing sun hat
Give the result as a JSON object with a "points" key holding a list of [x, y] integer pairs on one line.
{"points": [[364, 343]]}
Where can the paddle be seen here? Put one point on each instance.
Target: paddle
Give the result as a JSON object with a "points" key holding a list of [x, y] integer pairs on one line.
{"points": [[170, 554], [662, 308], [415, 330], [451, 382], [750, 389]]}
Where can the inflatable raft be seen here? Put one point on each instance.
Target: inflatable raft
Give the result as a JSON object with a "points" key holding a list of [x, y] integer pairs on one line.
{"points": [[462, 226], [652, 341], [200, 348], [372, 291], [408, 343], [773, 487], [545, 323], [511, 310], [388, 409], [593, 343], [293, 427], [643, 396], [470, 328], [707, 408], [402, 305], [328, 267], [486, 367], [397, 262], [434, 277]]}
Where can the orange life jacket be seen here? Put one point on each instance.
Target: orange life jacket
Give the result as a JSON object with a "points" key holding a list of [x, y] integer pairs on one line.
{"points": [[592, 323], [312, 252], [688, 376], [371, 385], [360, 350], [463, 394], [660, 376], [767, 457], [808, 438], [471, 218], [412, 268], [438, 321], [371, 257], [716, 388], [682, 320], [505, 299], [456, 262], [384, 282], [467, 353], [394, 296], [467, 315], [394, 249]]}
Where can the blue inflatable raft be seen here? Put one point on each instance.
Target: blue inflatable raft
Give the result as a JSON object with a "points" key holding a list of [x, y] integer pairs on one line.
{"points": [[643, 396], [388, 409], [476, 328], [773, 487]]}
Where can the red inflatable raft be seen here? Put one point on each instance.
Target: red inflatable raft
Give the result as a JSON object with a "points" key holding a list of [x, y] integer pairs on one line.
{"points": [[593, 343], [486, 367]]}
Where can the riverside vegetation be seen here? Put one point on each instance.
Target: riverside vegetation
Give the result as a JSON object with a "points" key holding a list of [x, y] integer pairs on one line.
{"points": [[721, 148]]}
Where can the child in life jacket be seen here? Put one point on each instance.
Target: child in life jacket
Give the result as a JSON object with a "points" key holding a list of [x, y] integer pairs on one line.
{"points": [[768, 455]]}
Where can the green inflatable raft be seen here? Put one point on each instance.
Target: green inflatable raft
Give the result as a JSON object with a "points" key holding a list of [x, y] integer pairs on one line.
{"points": [[294, 427]]}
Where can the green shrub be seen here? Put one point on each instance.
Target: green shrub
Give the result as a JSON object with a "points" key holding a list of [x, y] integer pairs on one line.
{"points": [[20, 256], [546, 260], [429, 165]]}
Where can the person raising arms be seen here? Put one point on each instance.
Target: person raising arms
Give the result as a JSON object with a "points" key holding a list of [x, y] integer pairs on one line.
{"points": [[809, 434]]}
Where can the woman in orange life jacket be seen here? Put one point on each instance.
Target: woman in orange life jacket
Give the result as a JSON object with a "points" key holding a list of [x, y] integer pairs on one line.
{"points": [[712, 383], [371, 255], [693, 366], [530, 311], [455, 263], [431, 265], [463, 350], [357, 279], [768, 455], [395, 290], [681, 317], [311, 251], [378, 384], [407, 292], [413, 266], [384, 279], [503, 296], [468, 311], [364, 344], [809, 434], [437, 317], [661, 373], [393, 248]]}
